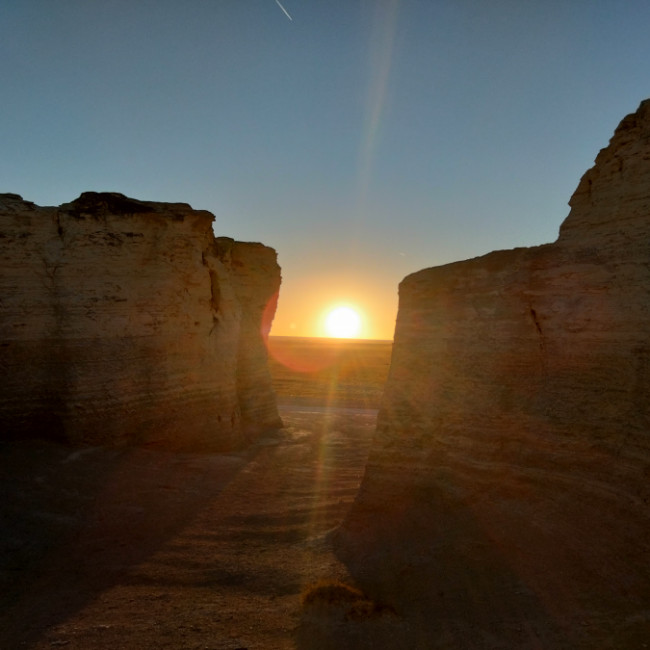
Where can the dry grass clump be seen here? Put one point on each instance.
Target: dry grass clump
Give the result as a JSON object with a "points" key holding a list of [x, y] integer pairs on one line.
{"points": [[333, 594]]}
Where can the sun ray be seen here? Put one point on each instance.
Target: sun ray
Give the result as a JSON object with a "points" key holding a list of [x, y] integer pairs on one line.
{"points": [[381, 59]]}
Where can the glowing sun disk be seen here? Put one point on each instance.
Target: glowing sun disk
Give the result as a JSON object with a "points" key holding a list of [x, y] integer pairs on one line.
{"points": [[343, 323]]}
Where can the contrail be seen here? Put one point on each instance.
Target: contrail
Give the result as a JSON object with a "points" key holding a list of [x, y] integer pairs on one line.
{"points": [[286, 13]]}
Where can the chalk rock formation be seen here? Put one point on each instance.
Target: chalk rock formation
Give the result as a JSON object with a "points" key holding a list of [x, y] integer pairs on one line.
{"points": [[506, 502], [126, 321]]}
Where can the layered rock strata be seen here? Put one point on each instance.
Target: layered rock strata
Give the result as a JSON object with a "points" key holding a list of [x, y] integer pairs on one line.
{"points": [[507, 496], [126, 321]]}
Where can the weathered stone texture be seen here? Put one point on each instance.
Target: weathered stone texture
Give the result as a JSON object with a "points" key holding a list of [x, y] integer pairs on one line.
{"points": [[126, 321], [512, 453]]}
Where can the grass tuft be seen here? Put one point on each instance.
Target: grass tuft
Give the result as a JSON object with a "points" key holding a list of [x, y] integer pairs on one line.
{"points": [[336, 594], [332, 592]]}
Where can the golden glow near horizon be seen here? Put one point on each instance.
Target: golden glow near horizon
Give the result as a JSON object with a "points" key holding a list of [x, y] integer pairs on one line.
{"points": [[343, 323], [306, 301]]}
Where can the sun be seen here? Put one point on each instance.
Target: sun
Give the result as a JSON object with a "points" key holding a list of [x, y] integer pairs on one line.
{"points": [[343, 323]]}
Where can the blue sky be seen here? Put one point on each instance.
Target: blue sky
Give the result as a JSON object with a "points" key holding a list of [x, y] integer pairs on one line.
{"points": [[362, 140]]}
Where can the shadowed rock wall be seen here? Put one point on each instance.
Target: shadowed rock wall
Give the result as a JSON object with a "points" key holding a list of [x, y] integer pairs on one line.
{"points": [[507, 494], [126, 321]]}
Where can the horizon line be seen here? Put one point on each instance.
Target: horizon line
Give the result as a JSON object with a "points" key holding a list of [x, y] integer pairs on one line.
{"points": [[328, 338]]}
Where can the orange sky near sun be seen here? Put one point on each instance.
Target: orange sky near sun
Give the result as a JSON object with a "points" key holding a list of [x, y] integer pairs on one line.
{"points": [[303, 307]]}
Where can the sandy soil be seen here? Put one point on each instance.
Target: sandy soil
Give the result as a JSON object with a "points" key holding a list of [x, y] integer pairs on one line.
{"points": [[141, 548]]}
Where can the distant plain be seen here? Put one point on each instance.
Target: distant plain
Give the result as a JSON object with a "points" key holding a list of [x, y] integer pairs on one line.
{"points": [[329, 372]]}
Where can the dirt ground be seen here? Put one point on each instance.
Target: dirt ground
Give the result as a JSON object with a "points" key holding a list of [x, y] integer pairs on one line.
{"points": [[142, 548], [145, 549]]}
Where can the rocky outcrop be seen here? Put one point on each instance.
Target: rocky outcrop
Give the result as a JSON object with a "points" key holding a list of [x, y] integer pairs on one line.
{"points": [[126, 321], [506, 502]]}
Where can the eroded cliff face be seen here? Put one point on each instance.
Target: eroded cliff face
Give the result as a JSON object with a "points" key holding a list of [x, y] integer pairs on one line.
{"points": [[126, 321], [507, 495]]}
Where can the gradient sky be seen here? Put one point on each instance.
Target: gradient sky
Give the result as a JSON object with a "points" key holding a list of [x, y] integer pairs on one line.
{"points": [[363, 140]]}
